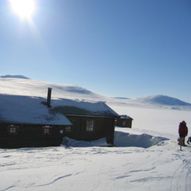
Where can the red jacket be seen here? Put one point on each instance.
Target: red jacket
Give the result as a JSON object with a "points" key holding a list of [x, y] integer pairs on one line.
{"points": [[183, 129]]}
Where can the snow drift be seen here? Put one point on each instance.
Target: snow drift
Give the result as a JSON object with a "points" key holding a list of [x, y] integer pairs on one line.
{"points": [[122, 139]]}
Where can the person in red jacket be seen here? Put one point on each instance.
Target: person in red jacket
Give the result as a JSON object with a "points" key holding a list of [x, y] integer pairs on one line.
{"points": [[183, 132]]}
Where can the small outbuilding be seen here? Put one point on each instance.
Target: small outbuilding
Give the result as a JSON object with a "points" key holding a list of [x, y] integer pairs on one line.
{"points": [[124, 121]]}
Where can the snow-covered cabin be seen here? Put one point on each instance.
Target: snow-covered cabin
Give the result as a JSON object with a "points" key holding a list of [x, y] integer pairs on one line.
{"points": [[90, 120], [25, 121]]}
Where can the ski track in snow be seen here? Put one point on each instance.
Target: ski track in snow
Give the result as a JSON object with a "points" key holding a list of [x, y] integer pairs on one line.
{"points": [[182, 174], [130, 168], [55, 180], [162, 165], [10, 187]]}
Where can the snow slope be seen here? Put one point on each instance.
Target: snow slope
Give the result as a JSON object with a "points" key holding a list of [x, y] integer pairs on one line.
{"points": [[21, 101], [145, 157], [156, 101], [162, 167], [28, 87]]}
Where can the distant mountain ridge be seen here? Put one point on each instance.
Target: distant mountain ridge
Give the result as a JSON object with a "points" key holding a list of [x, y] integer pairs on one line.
{"points": [[163, 100], [122, 98], [75, 89], [22, 85], [14, 76]]}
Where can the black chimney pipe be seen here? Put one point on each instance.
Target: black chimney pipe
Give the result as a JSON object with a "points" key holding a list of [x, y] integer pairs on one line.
{"points": [[49, 97]]}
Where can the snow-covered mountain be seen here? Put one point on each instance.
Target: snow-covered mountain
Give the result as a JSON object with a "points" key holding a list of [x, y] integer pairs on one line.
{"points": [[155, 101], [163, 100], [22, 85], [122, 98]]}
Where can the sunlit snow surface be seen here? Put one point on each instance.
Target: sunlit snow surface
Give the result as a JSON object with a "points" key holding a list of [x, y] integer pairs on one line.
{"points": [[144, 158]]}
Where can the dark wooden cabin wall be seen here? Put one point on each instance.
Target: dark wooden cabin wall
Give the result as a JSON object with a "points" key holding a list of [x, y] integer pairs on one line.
{"points": [[103, 127], [29, 135]]}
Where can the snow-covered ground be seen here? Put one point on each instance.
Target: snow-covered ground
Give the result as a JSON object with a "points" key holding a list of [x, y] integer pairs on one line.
{"points": [[145, 157]]}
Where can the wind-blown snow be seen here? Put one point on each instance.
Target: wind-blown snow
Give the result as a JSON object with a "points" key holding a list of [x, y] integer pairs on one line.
{"points": [[145, 157]]}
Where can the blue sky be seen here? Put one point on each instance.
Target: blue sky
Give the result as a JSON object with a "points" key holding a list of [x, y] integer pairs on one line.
{"points": [[129, 48]]}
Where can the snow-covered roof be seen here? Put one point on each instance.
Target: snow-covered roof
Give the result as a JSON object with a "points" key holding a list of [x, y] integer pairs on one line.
{"points": [[28, 110], [76, 107], [125, 117]]}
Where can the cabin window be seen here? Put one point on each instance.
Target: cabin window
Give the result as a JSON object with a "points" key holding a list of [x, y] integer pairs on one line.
{"points": [[61, 131], [68, 129], [46, 130], [12, 130], [89, 125], [124, 123]]}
